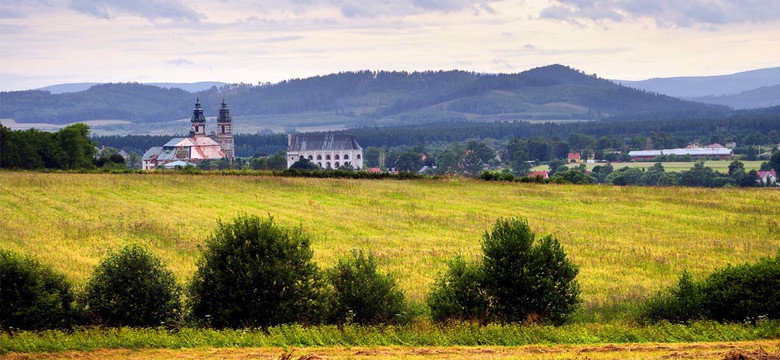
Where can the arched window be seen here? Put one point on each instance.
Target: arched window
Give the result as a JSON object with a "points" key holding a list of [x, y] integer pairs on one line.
{"points": [[319, 157], [327, 164], [358, 156], [311, 157], [346, 157], [223, 129], [327, 157], [336, 157], [337, 164], [319, 164]]}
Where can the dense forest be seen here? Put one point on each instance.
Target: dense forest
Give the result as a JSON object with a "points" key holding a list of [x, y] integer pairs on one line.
{"points": [[369, 98]]}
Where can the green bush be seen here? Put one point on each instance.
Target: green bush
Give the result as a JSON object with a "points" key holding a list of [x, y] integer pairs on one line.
{"points": [[736, 293], [525, 278], [256, 273], [518, 279], [362, 295], [459, 294], [679, 304], [131, 287], [744, 292], [33, 296]]}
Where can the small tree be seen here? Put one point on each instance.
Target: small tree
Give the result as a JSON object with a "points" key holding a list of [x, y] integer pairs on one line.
{"points": [[525, 277], [132, 287], [460, 293], [256, 273], [304, 164], [33, 296], [362, 294]]}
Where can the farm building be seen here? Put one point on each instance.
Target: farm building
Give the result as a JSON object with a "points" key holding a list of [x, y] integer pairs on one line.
{"points": [[328, 151], [574, 157], [767, 177], [198, 146], [695, 153]]}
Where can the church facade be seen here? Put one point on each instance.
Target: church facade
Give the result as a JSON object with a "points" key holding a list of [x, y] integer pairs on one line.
{"points": [[328, 151], [198, 146]]}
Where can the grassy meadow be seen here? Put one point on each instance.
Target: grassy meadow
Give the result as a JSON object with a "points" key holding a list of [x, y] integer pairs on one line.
{"points": [[628, 241], [676, 166]]}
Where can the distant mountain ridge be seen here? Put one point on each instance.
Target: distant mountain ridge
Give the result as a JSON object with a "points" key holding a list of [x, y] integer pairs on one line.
{"points": [[78, 87], [368, 98], [701, 86], [762, 97]]}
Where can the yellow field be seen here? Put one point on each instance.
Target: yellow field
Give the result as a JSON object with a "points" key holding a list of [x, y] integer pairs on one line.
{"points": [[628, 241], [700, 351]]}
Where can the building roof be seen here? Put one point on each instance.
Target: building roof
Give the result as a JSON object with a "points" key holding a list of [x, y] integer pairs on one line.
{"points": [[574, 156], [314, 142], [152, 151], [763, 174], [681, 152], [543, 174], [178, 163]]}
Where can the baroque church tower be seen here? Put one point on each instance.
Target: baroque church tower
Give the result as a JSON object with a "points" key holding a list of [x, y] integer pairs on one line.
{"points": [[225, 130], [198, 121]]}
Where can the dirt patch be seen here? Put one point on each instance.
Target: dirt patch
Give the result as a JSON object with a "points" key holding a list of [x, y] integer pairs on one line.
{"points": [[759, 354]]}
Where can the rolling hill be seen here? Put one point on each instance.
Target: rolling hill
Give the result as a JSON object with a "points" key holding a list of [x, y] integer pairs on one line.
{"points": [[364, 98], [698, 86], [765, 96]]}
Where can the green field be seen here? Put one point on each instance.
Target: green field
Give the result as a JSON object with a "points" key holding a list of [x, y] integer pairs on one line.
{"points": [[717, 165], [628, 241]]}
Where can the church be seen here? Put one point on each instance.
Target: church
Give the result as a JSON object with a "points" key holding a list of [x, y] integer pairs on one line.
{"points": [[328, 151], [197, 146]]}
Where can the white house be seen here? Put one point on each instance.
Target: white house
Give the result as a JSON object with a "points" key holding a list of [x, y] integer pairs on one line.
{"points": [[328, 151]]}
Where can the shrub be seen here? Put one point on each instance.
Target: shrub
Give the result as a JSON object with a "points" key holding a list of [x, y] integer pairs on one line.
{"points": [[131, 287], [679, 304], [526, 279], [744, 292], [518, 280], [363, 295], [256, 273], [33, 296], [459, 294]]}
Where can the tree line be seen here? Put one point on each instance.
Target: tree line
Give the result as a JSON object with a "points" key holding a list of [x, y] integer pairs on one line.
{"points": [[253, 272]]}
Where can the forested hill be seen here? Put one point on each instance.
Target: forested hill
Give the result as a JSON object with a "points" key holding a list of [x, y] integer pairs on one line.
{"points": [[368, 98]]}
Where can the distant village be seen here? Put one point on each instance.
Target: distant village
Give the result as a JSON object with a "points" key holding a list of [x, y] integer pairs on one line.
{"points": [[342, 151]]}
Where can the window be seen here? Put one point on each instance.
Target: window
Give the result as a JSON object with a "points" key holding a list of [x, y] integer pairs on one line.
{"points": [[346, 157], [358, 156], [319, 157], [337, 156], [319, 164], [311, 157], [327, 157], [337, 163], [223, 128], [327, 164]]}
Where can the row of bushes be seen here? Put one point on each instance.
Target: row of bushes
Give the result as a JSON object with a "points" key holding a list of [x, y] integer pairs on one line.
{"points": [[745, 292], [255, 273]]}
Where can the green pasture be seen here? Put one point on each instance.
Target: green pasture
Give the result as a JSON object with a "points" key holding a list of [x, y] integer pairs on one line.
{"points": [[628, 241], [718, 165]]}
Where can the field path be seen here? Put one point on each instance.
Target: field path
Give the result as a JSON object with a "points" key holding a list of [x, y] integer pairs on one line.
{"points": [[764, 350]]}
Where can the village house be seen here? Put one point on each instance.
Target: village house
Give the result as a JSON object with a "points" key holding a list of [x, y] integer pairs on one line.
{"points": [[328, 151], [767, 177], [198, 146], [574, 157]]}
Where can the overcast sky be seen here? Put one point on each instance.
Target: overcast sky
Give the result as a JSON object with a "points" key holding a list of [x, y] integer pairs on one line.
{"points": [[45, 42]]}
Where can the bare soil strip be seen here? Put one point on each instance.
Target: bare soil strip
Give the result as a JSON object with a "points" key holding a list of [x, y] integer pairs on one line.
{"points": [[758, 350]]}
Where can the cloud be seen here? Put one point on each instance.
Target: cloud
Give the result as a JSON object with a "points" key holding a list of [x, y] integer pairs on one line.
{"points": [[149, 9], [283, 38], [361, 8], [666, 12], [180, 62]]}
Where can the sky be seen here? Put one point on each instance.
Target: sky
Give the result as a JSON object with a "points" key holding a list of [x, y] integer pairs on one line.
{"points": [[46, 42]]}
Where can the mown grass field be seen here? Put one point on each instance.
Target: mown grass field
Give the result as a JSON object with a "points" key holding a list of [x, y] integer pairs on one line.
{"points": [[628, 241]]}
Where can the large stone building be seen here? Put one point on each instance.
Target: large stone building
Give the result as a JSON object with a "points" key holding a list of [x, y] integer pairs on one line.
{"points": [[328, 151], [197, 146]]}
